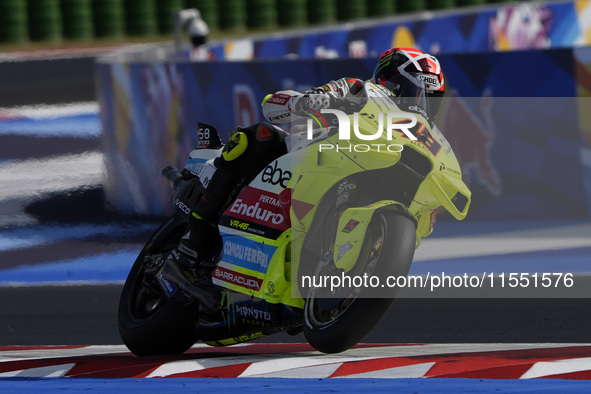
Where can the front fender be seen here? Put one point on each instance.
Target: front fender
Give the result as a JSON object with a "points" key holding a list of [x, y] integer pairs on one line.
{"points": [[351, 231]]}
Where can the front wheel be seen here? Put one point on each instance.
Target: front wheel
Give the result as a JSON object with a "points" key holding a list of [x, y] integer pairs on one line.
{"points": [[335, 324], [149, 322]]}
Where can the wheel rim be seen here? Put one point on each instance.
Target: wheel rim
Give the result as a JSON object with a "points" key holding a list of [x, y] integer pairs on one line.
{"points": [[147, 295], [322, 312]]}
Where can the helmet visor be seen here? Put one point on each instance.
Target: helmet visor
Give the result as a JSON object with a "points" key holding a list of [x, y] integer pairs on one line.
{"points": [[413, 93]]}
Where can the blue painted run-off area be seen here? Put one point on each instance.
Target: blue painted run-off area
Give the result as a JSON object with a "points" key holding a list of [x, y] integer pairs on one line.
{"points": [[272, 385]]}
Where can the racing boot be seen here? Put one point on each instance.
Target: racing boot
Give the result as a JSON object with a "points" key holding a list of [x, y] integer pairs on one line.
{"points": [[197, 251], [191, 263]]}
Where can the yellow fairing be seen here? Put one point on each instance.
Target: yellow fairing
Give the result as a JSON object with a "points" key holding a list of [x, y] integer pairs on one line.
{"points": [[272, 286], [351, 230], [446, 189], [321, 166]]}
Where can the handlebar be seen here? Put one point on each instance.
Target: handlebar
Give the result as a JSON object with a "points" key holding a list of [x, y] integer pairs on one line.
{"points": [[172, 176]]}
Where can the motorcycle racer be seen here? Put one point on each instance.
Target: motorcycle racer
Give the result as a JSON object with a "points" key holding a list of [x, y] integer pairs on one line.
{"points": [[401, 72], [404, 72]]}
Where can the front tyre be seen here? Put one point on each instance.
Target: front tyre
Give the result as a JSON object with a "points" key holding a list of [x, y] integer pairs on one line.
{"points": [[333, 325], [149, 322]]}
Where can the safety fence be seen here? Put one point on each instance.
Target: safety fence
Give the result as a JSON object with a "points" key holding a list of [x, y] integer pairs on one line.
{"points": [[53, 20]]}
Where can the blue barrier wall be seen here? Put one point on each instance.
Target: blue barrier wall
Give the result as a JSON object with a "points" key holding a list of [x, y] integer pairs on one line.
{"points": [[518, 79], [513, 119]]}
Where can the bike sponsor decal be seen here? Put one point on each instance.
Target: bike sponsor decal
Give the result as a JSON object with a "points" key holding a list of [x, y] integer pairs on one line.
{"points": [[249, 312], [344, 249], [236, 278], [239, 224], [271, 200], [279, 98], [246, 338], [168, 287], [344, 186], [195, 165], [382, 89], [246, 253], [207, 173], [276, 175], [425, 138], [259, 212], [201, 168], [433, 218], [350, 226], [442, 167], [252, 228], [280, 116], [182, 207], [207, 136], [432, 144], [342, 198], [271, 287]]}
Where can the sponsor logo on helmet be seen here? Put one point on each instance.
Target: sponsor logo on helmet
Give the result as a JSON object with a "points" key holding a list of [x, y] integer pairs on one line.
{"points": [[430, 79]]}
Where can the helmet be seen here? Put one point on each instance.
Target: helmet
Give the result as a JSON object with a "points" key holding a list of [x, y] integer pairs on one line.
{"points": [[411, 74]]}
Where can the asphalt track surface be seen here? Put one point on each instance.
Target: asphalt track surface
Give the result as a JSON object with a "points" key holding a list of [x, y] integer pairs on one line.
{"points": [[87, 315]]}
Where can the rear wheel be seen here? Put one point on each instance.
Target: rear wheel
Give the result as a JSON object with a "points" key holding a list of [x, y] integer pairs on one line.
{"points": [[149, 322], [336, 322]]}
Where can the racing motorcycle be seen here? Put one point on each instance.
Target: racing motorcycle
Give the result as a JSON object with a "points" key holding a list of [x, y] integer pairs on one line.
{"points": [[327, 211]]}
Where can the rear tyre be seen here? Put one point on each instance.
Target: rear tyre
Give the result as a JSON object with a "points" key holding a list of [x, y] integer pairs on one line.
{"points": [[335, 324], [149, 322]]}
